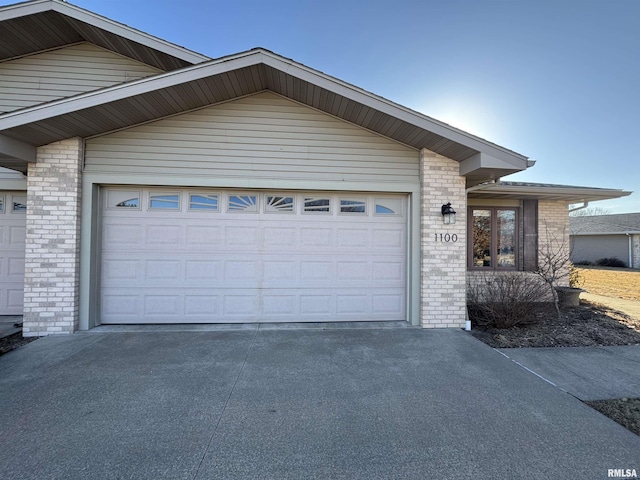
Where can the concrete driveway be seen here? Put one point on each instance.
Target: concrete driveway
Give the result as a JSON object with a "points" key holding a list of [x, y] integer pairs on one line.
{"points": [[261, 403]]}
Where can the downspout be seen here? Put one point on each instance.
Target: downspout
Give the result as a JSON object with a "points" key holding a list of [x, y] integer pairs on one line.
{"points": [[630, 237]]}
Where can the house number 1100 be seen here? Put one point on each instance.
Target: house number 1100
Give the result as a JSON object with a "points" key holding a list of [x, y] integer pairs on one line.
{"points": [[445, 237]]}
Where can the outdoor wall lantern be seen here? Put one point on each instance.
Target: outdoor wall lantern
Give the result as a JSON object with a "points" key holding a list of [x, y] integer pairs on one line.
{"points": [[448, 214]]}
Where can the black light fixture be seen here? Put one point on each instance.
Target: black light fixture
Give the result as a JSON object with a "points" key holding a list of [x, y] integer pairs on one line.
{"points": [[448, 214]]}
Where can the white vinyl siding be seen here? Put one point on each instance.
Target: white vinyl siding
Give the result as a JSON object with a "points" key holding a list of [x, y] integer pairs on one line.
{"points": [[64, 72], [262, 136]]}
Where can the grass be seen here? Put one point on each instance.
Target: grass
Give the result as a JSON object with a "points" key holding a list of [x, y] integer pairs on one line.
{"points": [[611, 282]]}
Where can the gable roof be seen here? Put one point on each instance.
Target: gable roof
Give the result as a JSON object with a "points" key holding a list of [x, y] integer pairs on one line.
{"points": [[545, 191], [246, 73], [39, 25], [620, 224]]}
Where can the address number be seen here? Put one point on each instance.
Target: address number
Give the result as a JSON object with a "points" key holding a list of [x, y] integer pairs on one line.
{"points": [[446, 237]]}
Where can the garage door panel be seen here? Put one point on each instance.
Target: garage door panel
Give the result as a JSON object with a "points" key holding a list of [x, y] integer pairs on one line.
{"points": [[12, 249], [233, 267]]}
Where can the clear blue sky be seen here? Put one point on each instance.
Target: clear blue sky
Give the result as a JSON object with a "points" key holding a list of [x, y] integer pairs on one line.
{"points": [[557, 81]]}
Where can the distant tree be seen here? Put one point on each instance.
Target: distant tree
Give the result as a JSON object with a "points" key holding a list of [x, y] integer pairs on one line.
{"points": [[591, 211]]}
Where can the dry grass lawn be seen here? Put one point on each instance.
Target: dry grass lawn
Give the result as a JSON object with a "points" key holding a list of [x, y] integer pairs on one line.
{"points": [[611, 282]]}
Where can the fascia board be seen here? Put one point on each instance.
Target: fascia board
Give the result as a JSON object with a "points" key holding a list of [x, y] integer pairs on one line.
{"points": [[398, 111], [589, 194], [484, 160], [120, 92], [39, 6]]}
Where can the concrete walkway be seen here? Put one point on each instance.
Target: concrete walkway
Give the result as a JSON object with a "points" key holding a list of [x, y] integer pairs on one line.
{"points": [[401, 403], [589, 373], [630, 307]]}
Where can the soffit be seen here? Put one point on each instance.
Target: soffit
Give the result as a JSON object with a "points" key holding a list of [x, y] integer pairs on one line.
{"points": [[36, 26]]}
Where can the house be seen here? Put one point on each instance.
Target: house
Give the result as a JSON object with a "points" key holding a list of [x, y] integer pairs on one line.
{"points": [[595, 237], [166, 187]]}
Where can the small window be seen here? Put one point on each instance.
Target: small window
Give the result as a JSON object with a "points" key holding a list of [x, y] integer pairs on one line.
{"points": [[388, 206], [317, 205], [19, 204], [243, 203], [204, 202], [279, 204], [123, 199], [353, 206], [1, 204], [164, 201]]}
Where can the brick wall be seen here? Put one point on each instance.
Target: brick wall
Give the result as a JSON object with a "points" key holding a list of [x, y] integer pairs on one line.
{"points": [[553, 234], [53, 239], [443, 264]]}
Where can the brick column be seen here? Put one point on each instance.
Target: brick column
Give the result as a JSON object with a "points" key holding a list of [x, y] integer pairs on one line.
{"points": [[52, 254], [553, 233], [443, 263]]}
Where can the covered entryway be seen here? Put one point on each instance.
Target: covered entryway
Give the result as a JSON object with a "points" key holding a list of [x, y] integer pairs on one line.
{"points": [[225, 256], [13, 206]]}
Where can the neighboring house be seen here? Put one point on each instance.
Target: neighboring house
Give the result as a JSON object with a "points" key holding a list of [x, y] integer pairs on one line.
{"points": [[606, 236], [166, 187]]}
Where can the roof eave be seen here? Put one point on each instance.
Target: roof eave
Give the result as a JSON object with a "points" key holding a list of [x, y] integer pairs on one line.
{"points": [[39, 6]]}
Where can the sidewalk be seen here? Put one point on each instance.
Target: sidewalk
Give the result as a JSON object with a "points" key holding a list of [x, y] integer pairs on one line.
{"points": [[629, 307]]}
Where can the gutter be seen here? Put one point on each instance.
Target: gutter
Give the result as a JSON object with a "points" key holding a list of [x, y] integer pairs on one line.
{"points": [[584, 205]]}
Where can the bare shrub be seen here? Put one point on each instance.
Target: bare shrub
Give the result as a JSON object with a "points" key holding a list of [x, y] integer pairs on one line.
{"points": [[504, 300]]}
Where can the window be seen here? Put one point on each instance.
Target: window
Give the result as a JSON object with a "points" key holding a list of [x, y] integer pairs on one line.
{"points": [[164, 201], [123, 199], [243, 203], [279, 204], [351, 205], [1, 204], [317, 205], [494, 238], [204, 202], [19, 204], [388, 206]]}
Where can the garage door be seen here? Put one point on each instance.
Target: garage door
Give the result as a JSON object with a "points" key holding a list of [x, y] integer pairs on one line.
{"points": [[12, 233], [196, 256]]}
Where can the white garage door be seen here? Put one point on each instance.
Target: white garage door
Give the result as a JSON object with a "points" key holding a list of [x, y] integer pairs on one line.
{"points": [[195, 256], [12, 232]]}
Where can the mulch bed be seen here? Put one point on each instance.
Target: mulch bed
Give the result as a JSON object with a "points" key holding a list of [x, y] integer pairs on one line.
{"points": [[14, 341]]}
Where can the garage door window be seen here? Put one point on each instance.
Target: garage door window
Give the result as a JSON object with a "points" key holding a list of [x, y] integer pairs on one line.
{"points": [[1, 204], [349, 205], [317, 205], [209, 202], [388, 206], [279, 204], [19, 204], [243, 203], [164, 202]]}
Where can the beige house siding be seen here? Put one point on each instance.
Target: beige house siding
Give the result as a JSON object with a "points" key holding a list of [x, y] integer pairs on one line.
{"points": [[553, 232], [264, 136], [592, 248], [64, 72]]}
